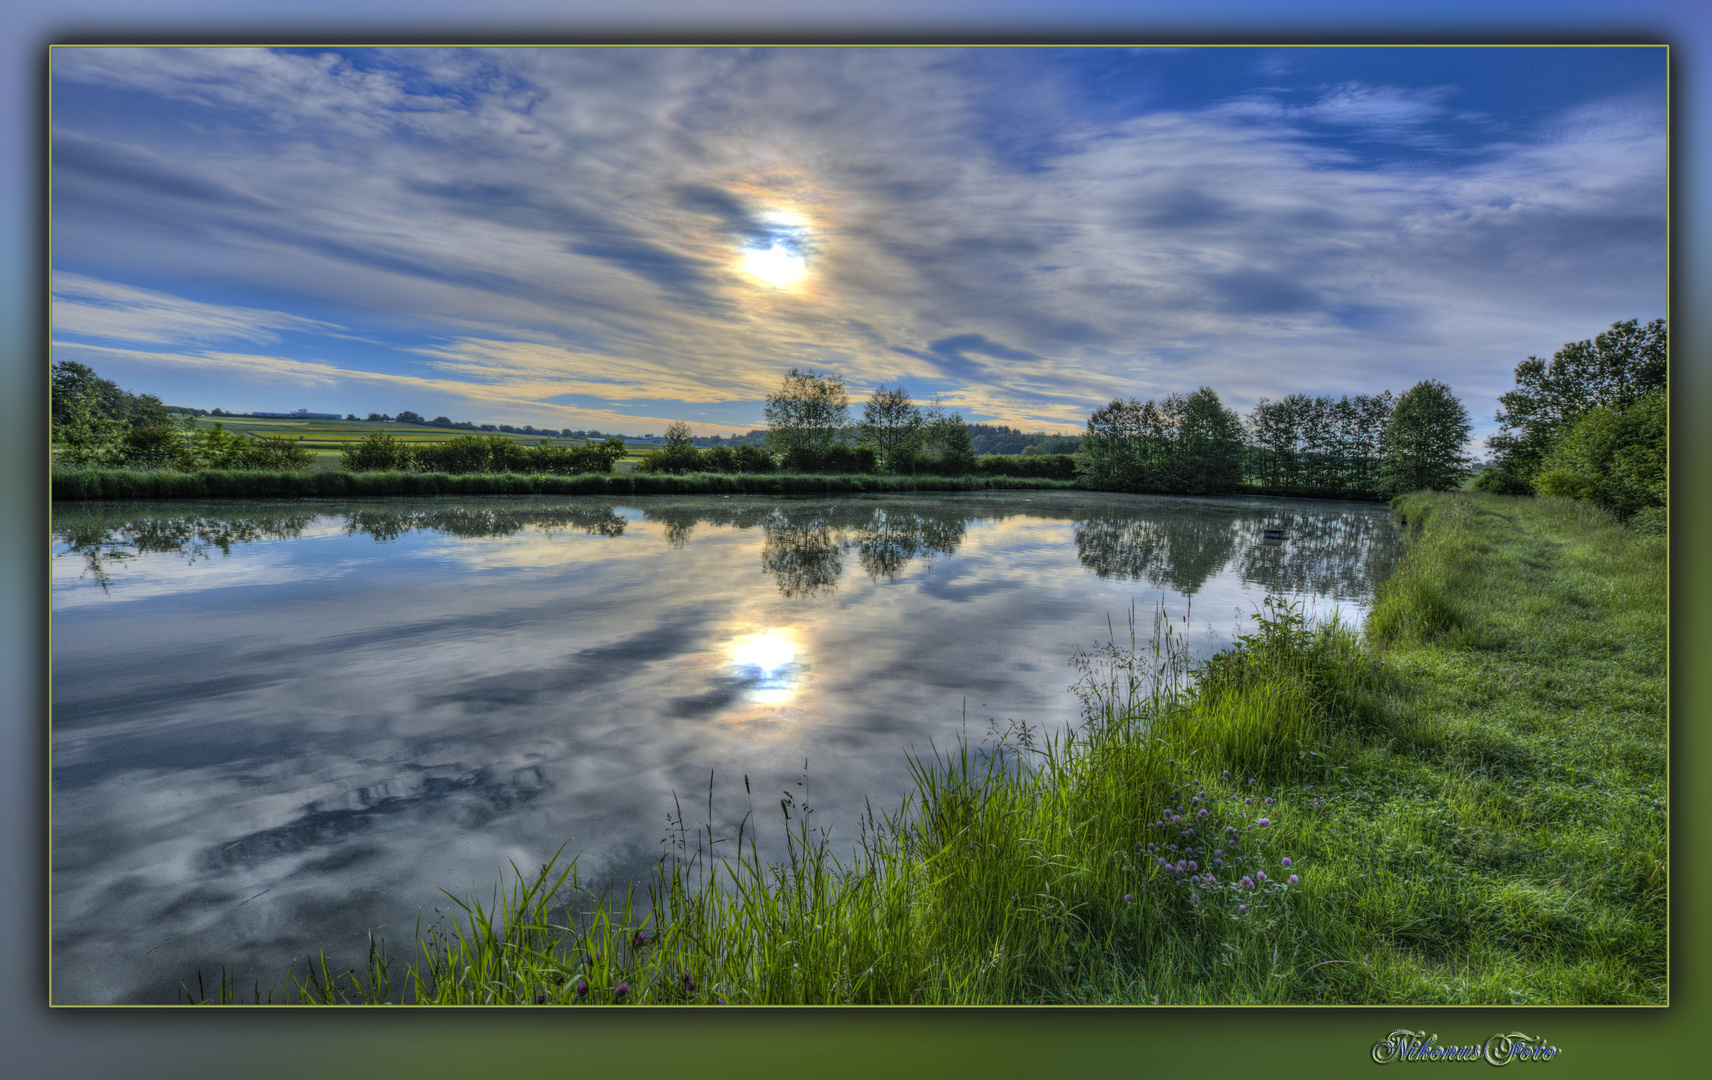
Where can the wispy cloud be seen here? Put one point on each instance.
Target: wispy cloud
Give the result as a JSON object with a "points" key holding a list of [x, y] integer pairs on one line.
{"points": [[526, 225], [94, 308]]}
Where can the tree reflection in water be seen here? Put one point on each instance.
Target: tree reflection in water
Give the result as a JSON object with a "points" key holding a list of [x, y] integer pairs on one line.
{"points": [[1173, 544]]}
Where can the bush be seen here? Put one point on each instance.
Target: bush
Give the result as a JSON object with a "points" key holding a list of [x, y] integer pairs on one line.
{"points": [[1612, 456], [380, 452], [1499, 480], [674, 458], [276, 453], [554, 460], [753, 459], [1038, 466], [154, 447]]}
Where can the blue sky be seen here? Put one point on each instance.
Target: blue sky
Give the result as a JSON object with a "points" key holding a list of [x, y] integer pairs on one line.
{"points": [[618, 238]]}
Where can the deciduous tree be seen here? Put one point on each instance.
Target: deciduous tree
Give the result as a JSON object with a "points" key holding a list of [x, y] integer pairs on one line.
{"points": [[1424, 439]]}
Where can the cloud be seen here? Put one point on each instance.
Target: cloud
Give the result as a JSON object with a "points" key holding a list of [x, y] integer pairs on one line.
{"points": [[534, 224], [91, 307]]}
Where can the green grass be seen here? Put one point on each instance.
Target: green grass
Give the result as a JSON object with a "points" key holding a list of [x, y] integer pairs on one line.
{"points": [[78, 484], [1472, 796]]}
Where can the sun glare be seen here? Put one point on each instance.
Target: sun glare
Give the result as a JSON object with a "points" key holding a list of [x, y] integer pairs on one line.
{"points": [[777, 255], [766, 664], [776, 266]]}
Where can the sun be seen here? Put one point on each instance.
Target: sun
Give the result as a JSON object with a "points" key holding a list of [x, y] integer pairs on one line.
{"points": [[775, 266], [776, 251]]}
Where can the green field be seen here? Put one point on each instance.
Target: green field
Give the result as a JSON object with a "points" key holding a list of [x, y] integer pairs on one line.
{"points": [[326, 439]]}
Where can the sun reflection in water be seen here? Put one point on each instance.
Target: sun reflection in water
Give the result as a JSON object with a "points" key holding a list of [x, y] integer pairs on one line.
{"points": [[766, 665]]}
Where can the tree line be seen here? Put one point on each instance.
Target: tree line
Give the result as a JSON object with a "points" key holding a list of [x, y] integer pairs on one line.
{"points": [[1591, 423], [1361, 447]]}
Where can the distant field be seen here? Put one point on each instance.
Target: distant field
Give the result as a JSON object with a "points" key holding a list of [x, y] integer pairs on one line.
{"points": [[327, 438]]}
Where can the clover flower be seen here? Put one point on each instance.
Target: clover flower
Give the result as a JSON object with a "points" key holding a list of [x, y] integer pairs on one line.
{"points": [[1285, 861], [1294, 880], [1264, 822], [621, 990]]}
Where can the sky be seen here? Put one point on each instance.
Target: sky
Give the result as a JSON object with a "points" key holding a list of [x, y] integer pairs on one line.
{"points": [[617, 238]]}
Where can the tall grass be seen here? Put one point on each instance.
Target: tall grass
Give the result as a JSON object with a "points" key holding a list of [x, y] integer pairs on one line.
{"points": [[78, 484]]}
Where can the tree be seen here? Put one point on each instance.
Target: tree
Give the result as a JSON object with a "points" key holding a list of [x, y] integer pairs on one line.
{"points": [[678, 455], [806, 415], [1617, 368], [1422, 444], [1206, 451], [1613, 456], [408, 417], [889, 421]]}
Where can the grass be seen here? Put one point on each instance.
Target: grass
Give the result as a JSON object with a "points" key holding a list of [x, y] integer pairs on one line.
{"points": [[1471, 799], [78, 484]]}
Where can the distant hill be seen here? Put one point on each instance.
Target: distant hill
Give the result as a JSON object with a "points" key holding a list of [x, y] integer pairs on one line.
{"points": [[999, 439]]}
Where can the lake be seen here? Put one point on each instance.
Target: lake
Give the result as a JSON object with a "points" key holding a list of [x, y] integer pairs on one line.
{"points": [[279, 726]]}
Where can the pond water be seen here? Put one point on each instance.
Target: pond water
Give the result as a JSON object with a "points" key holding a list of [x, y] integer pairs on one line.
{"points": [[279, 726]]}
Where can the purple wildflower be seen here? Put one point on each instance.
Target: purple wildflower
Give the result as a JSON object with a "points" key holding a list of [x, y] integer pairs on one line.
{"points": [[1242, 909], [689, 983], [582, 988], [1252, 780], [540, 999], [620, 990], [1260, 875], [1247, 882], [1294, 880], [640, 939], [1128, 897], [1264, 822], [1286, 861], [1268, 800], [1225, 773], [1218, 862]]}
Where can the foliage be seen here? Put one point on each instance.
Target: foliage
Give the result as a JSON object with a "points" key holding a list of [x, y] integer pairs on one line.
{"points": [[678, 455], [1617, 368], [1185, 445], [807, 413], [939, 446], [380, 452], [890, 422], [1302, 445], [1422, 443], [1050, 466], [1613, 456], [1005, 440]]}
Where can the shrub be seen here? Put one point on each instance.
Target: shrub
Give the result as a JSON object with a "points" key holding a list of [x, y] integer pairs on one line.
{"points": [[1039, 466], [380, 452], [276, 453], [154, 447]]}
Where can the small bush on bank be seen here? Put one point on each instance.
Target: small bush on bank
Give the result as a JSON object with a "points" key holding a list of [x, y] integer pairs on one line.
{"points": [[1043, 466]]}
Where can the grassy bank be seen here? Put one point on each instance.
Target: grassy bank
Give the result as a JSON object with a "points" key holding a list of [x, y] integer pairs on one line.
{"points": [[75, 484], [1464, 806]]}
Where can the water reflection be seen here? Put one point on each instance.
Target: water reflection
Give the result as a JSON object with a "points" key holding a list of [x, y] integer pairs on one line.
{"points": [[765, 665], [277, 726], [1175, 545]]}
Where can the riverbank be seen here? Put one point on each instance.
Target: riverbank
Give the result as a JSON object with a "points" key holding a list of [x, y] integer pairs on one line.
{"points": [[1466, 805], [89, 484]]}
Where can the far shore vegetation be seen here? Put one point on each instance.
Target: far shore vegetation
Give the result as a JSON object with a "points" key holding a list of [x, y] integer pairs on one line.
{"points": [[1465, 804]]}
